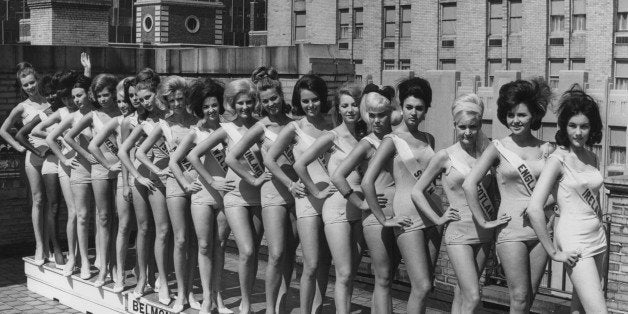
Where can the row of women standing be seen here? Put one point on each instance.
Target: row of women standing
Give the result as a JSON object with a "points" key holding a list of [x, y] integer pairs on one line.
{"points": [[187, 155]]}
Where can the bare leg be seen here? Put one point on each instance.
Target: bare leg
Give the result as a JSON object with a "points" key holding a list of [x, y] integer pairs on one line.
{"points": [[83, 202], [37, 210], [142, 216], [177, 210], [588, 283], [343, 250], [70, 228], [103, 195], [291, 244], [158, 206], [313, 246], [51, 183], [468, 263], [275, 219], [414, 251], [538, 264], [203, 218], [381, 242], [124, 209], [221, 234]]}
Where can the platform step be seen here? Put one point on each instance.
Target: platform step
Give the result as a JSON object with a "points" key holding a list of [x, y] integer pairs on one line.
{"points": [[82, 295]]}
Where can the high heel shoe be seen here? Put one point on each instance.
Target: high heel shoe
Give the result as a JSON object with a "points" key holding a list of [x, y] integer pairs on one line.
{"points": [[177, 308], [85, 274], [165, 301], [117, 288]]}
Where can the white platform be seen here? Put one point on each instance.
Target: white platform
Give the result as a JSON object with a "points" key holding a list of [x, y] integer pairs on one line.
{"points": [[83, 296]]}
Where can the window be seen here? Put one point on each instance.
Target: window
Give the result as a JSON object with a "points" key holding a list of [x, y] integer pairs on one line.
{"points": [[514, 17], [299, 25], [579, 17], [492, 66], [406, 16], [621, 75], [555, 66], [577, 65], [357, 61], [192, 24], [617, 147], [495, 27], [447, 64], [404, 64], [448, 19], [358, 24], [389, 21], [388, 64], [557, 16], [148, 23], [514, 64], [343, 23], [622, 15]]}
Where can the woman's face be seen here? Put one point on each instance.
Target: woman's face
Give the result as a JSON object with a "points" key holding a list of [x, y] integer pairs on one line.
{"points": [[105, 98], [380, 121], [348, 109], [146, 99], [578, 130], [467, 129], [310, 103], [176, 102], [29, 84], [519, 119], [68, 101], [414, 111], [122, 105], [79, 96], [211, 109], [271, 101], [135, 101], [244, 104]]}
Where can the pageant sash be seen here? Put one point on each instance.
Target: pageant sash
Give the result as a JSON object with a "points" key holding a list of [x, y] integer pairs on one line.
{"points": [[528, 179], [308, 141], [371, 141], [407, 157], [250, 157], [110, 141], [585, 193], [272, 137], [464, 169], [218, 152]]}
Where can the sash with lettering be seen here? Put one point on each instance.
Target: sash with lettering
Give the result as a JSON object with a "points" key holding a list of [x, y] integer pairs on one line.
{"points": [[148, 128], [528, 179], [249, 156], [60, 142], [218, 152], [172, 145], [407, 157], [323, 158], [110, 141], [464, 169], [585, 193], [272, 137]]}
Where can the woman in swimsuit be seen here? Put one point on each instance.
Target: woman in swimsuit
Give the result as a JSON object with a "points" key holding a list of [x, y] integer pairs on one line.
{"points": [[521, 106], [242, 204], [150, 186], [468, 244], [278, 215], [208, 216], [170, 131], [405, 153], [572, 176], [110, 136], [309, 99], [376, 109], [341, 219]]}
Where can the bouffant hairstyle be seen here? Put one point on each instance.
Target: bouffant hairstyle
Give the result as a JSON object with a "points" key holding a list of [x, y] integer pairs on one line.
{"points": [[574, 102], [100, 83], [63, 81], [48, 90], [122, 88], [354, 91], [127, 83], [201, 89], [24, 69], [535, 94], [238, 88], [418, 88], [314, 84], [171, 85], [147, 79], [266, 78], [374, 102]]}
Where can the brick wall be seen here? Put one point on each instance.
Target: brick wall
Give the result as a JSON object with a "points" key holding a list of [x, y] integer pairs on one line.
{"points": [[599, 42], [471, 39], [617, 294], [534, 38], [372, 40], [280, 30], [321, 22]]}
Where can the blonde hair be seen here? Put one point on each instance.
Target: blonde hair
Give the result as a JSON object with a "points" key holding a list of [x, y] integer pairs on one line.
{"points": [[239, 87], [169, 86], [471, 105], [373, 102]]}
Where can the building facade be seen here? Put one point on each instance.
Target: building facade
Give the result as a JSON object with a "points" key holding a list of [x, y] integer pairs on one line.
{"points": [[476, 38]]}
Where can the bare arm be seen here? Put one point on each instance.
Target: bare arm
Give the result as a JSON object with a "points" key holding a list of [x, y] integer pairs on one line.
{"points": [[148, 143], [470, 187], [215, 138], [94, 145], [322, 144], [339, 177], [125, 148], [84, 123], [6, 125], [284, 138], [186, 144], [436, 166], [40, 129], [384, 153], [52, 137], [22, 136], [250, 138]]}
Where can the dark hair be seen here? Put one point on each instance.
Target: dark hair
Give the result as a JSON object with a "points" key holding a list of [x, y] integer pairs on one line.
{"points": [[266, 78], [128, 82], [573, 102], [535, 94], [63, 81], [147, 79], [418, 88], [83, 82], [314, 84], [201, 89], [100, 83], [48, 90], [386, 91]]}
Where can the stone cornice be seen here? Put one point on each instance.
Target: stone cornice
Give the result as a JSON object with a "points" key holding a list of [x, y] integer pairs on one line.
{"points": [[617, 185], [86, 4], [193, 3]]}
